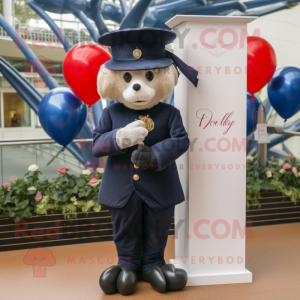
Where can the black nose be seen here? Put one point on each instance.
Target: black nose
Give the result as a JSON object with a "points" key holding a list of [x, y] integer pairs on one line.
{"points": [[136, 86]]}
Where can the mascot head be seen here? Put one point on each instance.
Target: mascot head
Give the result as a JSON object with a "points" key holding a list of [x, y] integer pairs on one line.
{"points": [[140, 89], [141, 72]]}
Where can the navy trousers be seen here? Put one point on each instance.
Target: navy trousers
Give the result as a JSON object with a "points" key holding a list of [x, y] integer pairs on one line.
{"points": [[140, 233]]}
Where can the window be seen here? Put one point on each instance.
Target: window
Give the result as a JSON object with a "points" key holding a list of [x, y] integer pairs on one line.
{"points": [[37, 122], [4, 82], [25, 66], [16, 111], [60, 80], [55, 70], [0, 115], [19, 65]]}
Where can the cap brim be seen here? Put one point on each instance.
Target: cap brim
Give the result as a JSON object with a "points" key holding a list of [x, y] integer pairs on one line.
{"points": [[137, 35], [136, 65]]}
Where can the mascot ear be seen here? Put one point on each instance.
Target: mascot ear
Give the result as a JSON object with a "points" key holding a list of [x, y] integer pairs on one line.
{"points": [[167, 81], [105, 83], [175, 74]]}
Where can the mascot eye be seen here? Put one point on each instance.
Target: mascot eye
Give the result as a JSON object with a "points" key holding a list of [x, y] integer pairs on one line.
{"points": [[127, 77], [149, 76]]}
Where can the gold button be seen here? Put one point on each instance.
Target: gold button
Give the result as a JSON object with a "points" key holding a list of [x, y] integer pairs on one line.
{"points": [[136, 177]]}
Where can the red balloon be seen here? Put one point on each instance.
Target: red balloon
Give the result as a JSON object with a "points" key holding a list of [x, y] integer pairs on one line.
{"points": [[261, 63], [81, 66]]}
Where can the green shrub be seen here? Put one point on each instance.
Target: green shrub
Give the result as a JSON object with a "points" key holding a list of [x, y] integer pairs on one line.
{"points": [[35, 193], [280, 175]]}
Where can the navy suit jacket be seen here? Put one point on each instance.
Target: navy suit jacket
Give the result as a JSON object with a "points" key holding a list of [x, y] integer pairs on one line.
{"points": [[157, 187]]}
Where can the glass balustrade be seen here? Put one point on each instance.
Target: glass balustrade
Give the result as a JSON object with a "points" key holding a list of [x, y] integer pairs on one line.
{"points": [[15, 160]]}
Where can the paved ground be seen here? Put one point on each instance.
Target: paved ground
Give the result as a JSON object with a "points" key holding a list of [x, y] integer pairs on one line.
{"points": [[275, 263]]}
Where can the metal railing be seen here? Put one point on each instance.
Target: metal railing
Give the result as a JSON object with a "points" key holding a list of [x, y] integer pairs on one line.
{"points": [[263, 147], [47, 35], [10, 142], [280, 130]]}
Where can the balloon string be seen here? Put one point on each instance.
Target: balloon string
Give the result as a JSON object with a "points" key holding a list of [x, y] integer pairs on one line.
{"points": [[91, 117], [283, 137], [252, 100], [64, 157]]}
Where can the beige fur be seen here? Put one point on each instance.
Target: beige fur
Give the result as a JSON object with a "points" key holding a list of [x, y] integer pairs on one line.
{"points": [[111, 85]]}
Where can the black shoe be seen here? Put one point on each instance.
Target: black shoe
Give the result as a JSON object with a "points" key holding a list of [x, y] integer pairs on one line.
{"points": [[108, 280], [176, 279], [126, 281], [156, 278], [116, 279]]}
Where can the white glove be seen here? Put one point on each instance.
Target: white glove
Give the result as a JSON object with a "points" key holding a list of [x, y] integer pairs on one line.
{"points": [[131, 135]]}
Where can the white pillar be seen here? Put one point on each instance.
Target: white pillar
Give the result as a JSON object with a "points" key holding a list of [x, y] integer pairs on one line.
{"points": [[210, 232], [8, 11]]}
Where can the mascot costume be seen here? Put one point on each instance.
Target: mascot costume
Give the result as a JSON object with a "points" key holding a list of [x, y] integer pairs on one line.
{"points": [[142, 138]]}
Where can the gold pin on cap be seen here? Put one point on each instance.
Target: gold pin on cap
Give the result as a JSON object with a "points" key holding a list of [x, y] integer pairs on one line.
{"points": [[137, 53]]}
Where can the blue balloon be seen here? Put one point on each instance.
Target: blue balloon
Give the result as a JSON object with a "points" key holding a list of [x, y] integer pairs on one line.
{"points": [[62, 115], [252, 107], [284, 91]]}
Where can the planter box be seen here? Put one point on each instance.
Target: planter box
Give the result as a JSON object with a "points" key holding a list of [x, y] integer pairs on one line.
{"points": [[275, 209], [54, 230]]}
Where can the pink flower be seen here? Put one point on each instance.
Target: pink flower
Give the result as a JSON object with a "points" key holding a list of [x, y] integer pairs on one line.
{"points": [[62, 170], [294, 170], [38, 196], [93, 180], [6, 185], [289, 155], [272, 158], [287, 166]]}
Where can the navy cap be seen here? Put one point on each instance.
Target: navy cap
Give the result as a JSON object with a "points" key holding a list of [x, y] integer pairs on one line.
{"points": [[143, 49]]}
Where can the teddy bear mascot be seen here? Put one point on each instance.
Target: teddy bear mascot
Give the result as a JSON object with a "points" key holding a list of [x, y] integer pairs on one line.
{"points": [[142, 138]]}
